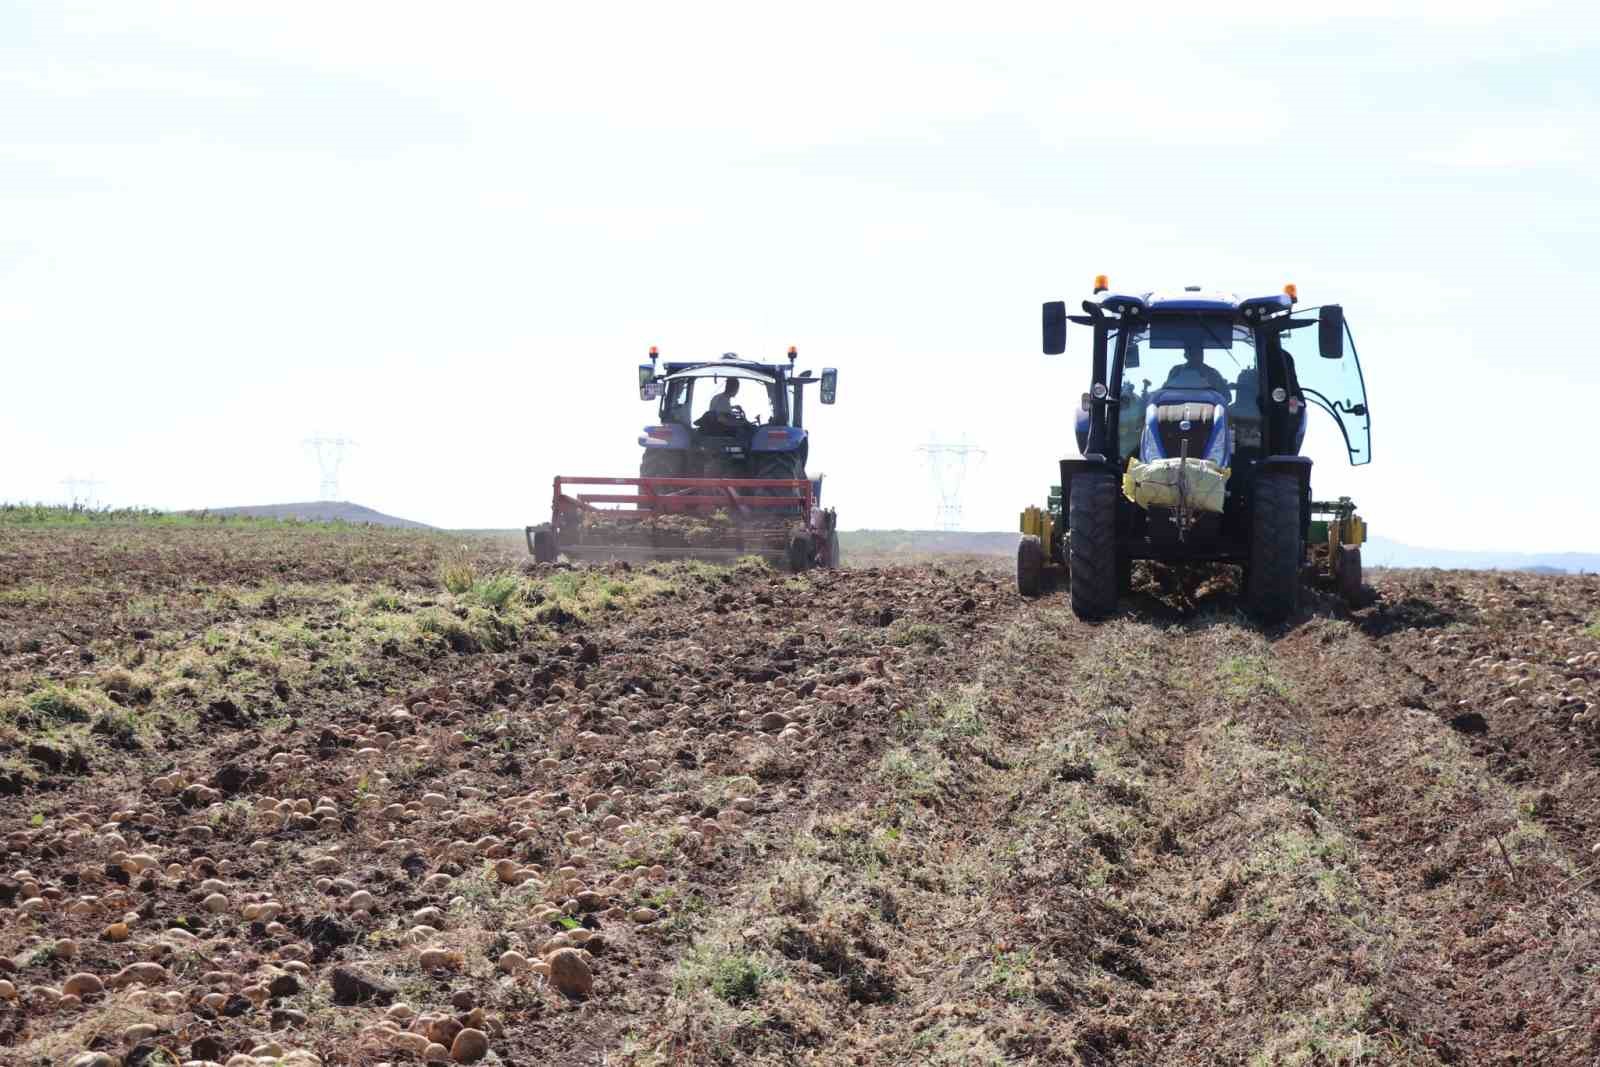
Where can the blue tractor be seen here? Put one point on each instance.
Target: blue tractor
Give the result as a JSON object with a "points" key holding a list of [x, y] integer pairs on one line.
{"points": [[1190, 437], [704, 429], [722, 475]]}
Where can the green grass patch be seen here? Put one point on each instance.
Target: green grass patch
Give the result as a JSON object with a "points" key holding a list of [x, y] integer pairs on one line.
{"points": [[56, 515], [918, 634], [732, 977], [496, 591], [54, 705], [1593, 629], [1249, 676]]}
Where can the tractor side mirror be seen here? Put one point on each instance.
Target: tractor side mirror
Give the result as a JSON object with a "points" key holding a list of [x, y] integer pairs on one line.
{"points": [[1055, 327], [1132, 359], [647, 382], [1330, 332], [830, 384]]}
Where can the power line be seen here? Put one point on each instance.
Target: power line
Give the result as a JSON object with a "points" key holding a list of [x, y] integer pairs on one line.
{"points": [[81, 491], [329, 452], [948, 465]]}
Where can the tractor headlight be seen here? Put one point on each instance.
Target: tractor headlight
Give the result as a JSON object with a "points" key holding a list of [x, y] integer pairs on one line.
{"points": [[1218, 452], [1099, 391], [1280, 394]]}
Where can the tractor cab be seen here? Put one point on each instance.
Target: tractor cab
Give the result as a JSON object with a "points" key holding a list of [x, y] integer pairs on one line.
{"points": [[728, 417], [1209, 375], [1195, 417]]}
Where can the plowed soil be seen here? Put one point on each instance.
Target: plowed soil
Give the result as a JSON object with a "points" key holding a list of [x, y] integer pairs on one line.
{"points": [[346, 793]]}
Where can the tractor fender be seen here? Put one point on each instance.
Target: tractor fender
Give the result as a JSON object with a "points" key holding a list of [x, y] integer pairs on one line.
{"points": [[1094, 461], [670, 435], [777, 439]]}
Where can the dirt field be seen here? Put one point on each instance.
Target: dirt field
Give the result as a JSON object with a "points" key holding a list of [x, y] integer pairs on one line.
{"points": [[359, 797]]}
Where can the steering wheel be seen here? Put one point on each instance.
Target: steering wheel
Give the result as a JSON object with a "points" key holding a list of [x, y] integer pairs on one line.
{"points": [[737, 412]]}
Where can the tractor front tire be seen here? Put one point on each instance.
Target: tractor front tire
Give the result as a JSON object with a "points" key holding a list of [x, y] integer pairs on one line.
{"points": [[1092, 521], [1030, 566], [1347, 572], [1272, 588]]}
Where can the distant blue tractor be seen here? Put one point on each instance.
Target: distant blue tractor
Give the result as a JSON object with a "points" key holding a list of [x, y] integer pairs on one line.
{"points": [[704, 431], [723, 474]]}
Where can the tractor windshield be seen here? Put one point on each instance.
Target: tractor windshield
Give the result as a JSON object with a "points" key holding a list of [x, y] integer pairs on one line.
{"points": [[1187, 352], [691, 396]]}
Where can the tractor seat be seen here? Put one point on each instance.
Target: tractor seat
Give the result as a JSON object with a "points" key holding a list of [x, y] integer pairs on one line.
{"points": [[1198, 417]]}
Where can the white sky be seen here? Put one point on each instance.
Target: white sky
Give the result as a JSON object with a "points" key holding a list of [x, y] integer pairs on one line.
{"points": [[452, 231]]}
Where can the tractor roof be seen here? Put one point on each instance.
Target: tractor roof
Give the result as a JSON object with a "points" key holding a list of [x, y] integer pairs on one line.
{"points": [[737, 367], [1193, 298]]}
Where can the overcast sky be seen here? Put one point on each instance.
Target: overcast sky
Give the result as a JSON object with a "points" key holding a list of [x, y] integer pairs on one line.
{"points": [[450, 232]]}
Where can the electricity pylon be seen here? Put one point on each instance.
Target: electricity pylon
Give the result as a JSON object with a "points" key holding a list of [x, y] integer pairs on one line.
{"points": [[329, 452], [948, 465], [81, 491]]}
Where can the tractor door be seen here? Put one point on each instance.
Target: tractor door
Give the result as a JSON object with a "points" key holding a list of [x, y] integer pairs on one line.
{"points": [[1329, 374]]}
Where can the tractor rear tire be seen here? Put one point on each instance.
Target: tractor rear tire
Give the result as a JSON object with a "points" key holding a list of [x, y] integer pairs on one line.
{"points": [[832, 562], [778, 465], [1272, 588], [1030, 566], [1092, 519], [1347, 572], [661, 463], [544, 546]]}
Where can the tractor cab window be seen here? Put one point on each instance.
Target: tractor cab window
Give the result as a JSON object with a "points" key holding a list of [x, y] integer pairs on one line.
{"points": [[691, 398], [675, 401], [1190, 353], [1334, 385]]}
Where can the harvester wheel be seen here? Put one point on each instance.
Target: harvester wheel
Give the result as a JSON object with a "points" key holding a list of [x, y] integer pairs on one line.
{"points": [[544, 546], [1030, 565], [1347, 571], [1092, 519], [1272, 587], [799, 552]]}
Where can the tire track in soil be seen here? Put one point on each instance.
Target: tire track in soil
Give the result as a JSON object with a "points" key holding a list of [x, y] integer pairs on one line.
{"points": [[697, 673], [1168, 843], [1505, 936]]}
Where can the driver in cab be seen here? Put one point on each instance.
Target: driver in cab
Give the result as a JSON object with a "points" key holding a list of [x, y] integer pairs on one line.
{"points": [[722, 407], [1194, 373]]}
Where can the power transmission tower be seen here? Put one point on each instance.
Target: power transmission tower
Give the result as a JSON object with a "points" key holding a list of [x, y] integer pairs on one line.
{"points": [[329, 452], [81, 491], [948, 465]]}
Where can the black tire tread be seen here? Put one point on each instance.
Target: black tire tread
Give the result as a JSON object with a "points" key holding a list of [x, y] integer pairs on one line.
{"points": [[1030, 566], [1273, 591], [1347, 565], [1092, 522], [544, 546]]}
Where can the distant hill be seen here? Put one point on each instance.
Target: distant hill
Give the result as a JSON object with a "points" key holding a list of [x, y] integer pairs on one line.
{"points": [[321, 511], [1378, 552], [1382, 552]]}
